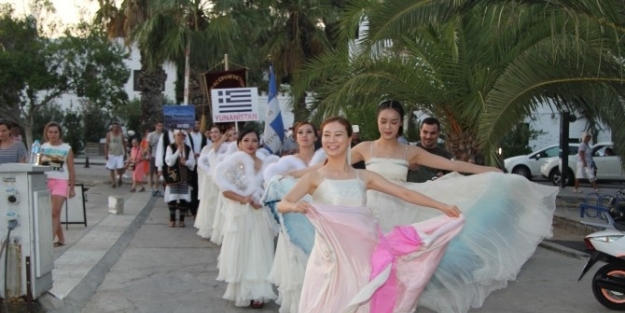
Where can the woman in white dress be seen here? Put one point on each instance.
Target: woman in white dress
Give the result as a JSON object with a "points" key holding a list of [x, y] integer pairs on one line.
{"points": [[506, 217], [249, 230], [226, 145], [342, 259], [208, 189], [289, 264]]}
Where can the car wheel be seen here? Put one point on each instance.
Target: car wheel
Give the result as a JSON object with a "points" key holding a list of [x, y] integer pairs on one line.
{"points": [[555, 177], [523, 171]]}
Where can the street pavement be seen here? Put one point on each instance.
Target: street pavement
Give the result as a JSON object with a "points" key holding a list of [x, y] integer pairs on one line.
{"points": [[135, 263]]}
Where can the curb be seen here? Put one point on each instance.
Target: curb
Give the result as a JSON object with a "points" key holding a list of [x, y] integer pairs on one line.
{"points": [[558, 248], [82, 293]]}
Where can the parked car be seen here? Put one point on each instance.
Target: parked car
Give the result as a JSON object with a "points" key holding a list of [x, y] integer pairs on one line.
{"points": [[529, 165], [608, 166]]}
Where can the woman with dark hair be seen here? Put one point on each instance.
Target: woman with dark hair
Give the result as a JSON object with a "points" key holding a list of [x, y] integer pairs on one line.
{"points": [[62, 178], [221, 149], [506, 217], [208, 190], [11, 150], [248, 247], [344, 273], [289, 264]]}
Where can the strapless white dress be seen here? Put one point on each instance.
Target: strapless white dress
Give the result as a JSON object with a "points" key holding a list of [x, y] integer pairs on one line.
{"points": [[506, 215]]}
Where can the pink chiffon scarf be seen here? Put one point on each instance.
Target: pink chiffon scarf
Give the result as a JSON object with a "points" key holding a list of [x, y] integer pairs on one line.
{"points": [[349, 244]]}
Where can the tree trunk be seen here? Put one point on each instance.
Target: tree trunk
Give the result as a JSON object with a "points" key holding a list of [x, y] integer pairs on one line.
{"points": [[28, 131], [151, 84], [464, 146], [300, 111]]}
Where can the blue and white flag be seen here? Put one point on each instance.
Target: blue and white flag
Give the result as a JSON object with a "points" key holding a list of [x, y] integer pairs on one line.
{"points": [[273, 135]]}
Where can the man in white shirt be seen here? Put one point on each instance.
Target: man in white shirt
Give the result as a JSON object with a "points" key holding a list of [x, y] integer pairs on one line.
{"points": [[197, 141]]}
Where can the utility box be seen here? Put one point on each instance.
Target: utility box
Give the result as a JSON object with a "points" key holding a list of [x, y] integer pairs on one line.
{"points": [[24, 198]]}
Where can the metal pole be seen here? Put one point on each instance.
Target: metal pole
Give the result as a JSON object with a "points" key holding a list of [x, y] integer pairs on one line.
{"points": [[564, 148], [187, 72]]}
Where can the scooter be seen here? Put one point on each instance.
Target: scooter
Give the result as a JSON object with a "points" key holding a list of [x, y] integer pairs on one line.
{"points": [[608, 245]]}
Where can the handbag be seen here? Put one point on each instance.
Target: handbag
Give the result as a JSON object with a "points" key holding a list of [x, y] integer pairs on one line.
{"points": [[131, 166]]}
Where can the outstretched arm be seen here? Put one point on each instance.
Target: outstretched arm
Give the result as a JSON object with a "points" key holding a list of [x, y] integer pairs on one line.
{"points": [[422, 157], [291, 202], [376, 182]]}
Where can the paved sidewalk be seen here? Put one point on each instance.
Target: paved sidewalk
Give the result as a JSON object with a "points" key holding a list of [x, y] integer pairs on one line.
{"points": [[81, 265]]}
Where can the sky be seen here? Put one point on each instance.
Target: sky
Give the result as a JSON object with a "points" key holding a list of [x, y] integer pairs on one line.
{"points": [[67, 11]]}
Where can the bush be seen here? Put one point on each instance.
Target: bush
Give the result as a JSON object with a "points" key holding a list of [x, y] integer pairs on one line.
{"points": [[47, 114], [72, 123], [516, 142], [96, 122]]}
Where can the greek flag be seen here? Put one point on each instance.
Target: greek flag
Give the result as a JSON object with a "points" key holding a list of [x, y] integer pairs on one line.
{"points": [[273, 135]]}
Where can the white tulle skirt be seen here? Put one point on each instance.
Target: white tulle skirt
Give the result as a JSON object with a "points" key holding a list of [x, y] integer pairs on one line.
{"points": [[208, 208], [287, 273], [246, 253], [506, 217], [217, 234]]}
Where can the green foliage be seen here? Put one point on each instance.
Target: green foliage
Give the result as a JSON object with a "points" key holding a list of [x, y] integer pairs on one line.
{"points": [[516, 142], [51, 113], [96, 122], [130, 115], [478, 73], [37, 70], [72, 124]]}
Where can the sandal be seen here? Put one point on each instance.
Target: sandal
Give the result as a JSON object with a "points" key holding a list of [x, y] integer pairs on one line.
{"points": [[142, 189], [257, 304], [132, 190], [172, 223], [181, 224], [59, 244]]}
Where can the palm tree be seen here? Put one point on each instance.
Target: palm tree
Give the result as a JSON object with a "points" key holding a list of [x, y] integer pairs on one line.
{"points": [[122, 22], [298, 30], [480, 67]]}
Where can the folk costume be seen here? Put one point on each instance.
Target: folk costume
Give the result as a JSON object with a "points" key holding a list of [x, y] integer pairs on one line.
{"points": [[289, 264], [248, 235], [177, 177], [215, 158], [207, 193]]}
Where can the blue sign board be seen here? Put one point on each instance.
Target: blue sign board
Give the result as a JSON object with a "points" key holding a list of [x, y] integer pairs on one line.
{"points": [[178, 116]]}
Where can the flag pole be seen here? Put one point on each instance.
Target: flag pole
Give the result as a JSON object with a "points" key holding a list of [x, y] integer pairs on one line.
{"points": [[236, 124]]}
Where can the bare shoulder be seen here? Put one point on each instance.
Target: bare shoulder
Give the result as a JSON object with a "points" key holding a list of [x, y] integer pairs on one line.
{"points": [[361, 146], [367, 176], [412, 151]]}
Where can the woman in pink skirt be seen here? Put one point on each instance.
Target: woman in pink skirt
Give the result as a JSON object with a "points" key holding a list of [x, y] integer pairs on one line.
{"points": [[135, 164]]}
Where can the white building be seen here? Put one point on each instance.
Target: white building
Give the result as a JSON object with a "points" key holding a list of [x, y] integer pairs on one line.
{"points": [[548, 120]]}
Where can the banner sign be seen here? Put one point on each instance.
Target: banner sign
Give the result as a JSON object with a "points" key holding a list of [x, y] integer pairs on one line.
{"points": [[179, 116], [235, 105], [227, 79]]}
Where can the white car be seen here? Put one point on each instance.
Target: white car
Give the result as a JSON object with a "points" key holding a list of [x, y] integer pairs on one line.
{"points": [[608, 166], [529, 165]]}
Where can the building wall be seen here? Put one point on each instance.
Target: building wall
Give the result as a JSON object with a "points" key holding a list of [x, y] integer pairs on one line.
{"points": [[546, 120]]}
